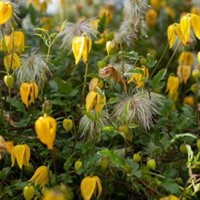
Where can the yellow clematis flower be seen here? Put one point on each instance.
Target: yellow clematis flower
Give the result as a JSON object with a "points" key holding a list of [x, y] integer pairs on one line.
{"points": [[172, 87], [6, 11], [95, 99], [21, 153], [41, 176], [183, 72], [45, 127], [151, 17], [95, 82], [81, 46], [138, 78], [15, 42], [91, 185], [12, 62], [173, 32], [189, 100], [186, 58], [28, 92]]}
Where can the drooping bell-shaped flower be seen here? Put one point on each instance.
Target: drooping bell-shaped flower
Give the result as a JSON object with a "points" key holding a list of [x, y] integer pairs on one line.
{"points": [[91, 185], [172, 86], [41, 176], [189, 100], [186, 58], [45, 127], [12, 62], [183, 72], [21, 153], [139, 78], [6, 11], [28, 92], [151, 17], [96, 100], [81, 46]]}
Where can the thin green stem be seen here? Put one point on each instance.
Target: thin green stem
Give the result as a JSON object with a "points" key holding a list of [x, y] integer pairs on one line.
{"points": [[9, 94], [157, 65], [173, 54], [85, 79]]}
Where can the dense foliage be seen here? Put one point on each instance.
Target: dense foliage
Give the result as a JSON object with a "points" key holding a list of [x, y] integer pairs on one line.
{"points": [[99, 99]]}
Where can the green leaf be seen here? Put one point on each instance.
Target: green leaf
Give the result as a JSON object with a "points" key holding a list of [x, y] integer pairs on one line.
{"points": [[171, 186], [156, 82], [132, 55], [112, 100]]}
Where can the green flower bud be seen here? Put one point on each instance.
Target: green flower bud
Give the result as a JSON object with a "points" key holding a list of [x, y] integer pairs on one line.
{"points": [[9, 80], [67, 124], [28, 192]]}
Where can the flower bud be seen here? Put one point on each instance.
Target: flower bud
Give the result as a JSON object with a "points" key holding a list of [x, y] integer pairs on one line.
{"points": [[137, 157], [194, 88], [196, 73], [28, 192], [46, 107], [78, 164], [151, 164], [112, 47], [67, 124], [9, 81]]}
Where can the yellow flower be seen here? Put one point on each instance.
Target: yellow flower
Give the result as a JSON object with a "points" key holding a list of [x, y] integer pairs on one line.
{"points": [[138, 78], [95, 99], [172, 87], [95, 82], [170, 197], [21, 153], [186, 58], [91, 185], [187, 21], [189, 100], [198, 56], [173, 32], [54, 195], [170, 11], [45, 127], [14, 42], [28, 92], [6, 12], [183, 72], [12, 61], [81, 46], [151, 17], [9, 146], [41, 176]]}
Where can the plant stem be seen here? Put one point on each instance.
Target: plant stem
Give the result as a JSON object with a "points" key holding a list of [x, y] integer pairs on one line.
{"points": [[85, 79]]}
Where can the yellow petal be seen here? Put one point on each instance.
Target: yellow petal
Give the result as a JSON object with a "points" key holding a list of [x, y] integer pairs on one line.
{"points": [[185, 26], [195, 23], [87, 48], [27, 155], [172, 83], [88, 185], [24, 92], [19, 151], [12, 61], [171, 35], [101, 101], [90, 100], [6, 12], [77, 47], [99, 186], [186, 58], [180, 35], [33, 92]]}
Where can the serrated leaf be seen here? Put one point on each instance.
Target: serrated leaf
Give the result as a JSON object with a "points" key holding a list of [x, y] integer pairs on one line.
{"points": [[171, 186], [156, 81], [132, 55], [151, 62]]}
